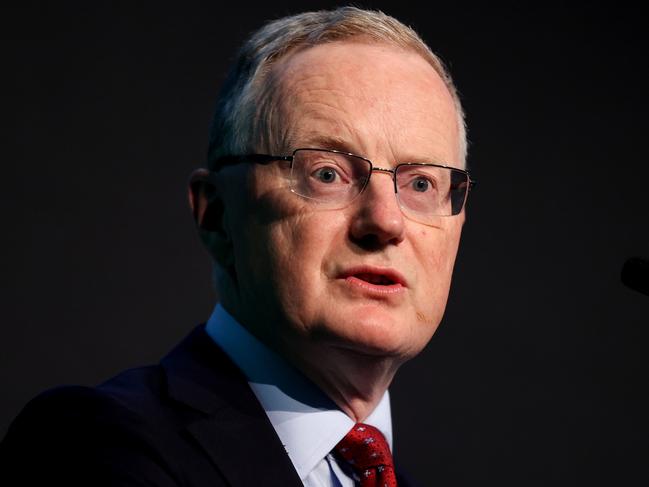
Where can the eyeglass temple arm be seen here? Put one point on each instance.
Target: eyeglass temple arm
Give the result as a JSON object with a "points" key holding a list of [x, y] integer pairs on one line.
{"points": [[472, 184], [223, 161], [254, 158]]}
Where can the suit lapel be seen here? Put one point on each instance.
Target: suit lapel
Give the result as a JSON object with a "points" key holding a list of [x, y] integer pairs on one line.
{"points": [[232, 428]]}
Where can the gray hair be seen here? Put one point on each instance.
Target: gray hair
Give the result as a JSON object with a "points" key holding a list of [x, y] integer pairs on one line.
{"points": [[244, 118]]}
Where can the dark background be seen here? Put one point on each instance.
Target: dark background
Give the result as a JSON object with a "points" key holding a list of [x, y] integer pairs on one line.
{"points": [[538, 374]]}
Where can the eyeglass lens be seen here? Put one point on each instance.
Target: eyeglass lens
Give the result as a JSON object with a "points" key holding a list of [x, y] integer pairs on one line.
{"points": [[335, 179]]}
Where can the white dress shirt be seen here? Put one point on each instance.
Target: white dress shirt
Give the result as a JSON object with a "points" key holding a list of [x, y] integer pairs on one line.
{"points": [[307, 422]]}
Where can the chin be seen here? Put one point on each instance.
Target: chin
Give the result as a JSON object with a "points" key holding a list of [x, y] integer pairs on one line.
{"points": [[376, 331]]}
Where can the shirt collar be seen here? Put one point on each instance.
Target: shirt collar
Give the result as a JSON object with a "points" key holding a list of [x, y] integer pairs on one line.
{"points": [[307, 422]]}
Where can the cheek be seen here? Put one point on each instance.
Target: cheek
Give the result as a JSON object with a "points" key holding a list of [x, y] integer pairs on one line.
{"points": [[299, 249], [300, 246], [437, 254]]}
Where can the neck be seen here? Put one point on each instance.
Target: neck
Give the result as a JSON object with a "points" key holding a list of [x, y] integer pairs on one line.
{"points": [[356, 382]]}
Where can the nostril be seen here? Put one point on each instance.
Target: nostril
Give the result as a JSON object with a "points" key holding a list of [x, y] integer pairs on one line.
{"points": [[375, 227], [369, 242]]}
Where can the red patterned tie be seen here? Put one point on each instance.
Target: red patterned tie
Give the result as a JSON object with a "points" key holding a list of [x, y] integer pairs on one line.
{"points": [[366, 450]]}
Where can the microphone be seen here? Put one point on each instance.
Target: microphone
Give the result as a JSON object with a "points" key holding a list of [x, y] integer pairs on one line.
{"points": [[635, 274]]}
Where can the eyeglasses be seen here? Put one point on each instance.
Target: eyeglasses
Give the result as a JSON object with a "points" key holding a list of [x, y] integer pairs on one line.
{"points": [[332, 179]]}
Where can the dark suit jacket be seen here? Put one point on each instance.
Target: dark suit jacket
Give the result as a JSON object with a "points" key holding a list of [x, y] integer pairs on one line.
{"points": [[192, 421]]}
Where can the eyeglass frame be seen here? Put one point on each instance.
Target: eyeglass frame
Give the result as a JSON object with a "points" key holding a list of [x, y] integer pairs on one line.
{"points": [[266, 159]]}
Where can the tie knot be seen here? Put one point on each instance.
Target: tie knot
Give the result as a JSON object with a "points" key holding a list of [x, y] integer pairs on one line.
{"points": [[365, 447]]}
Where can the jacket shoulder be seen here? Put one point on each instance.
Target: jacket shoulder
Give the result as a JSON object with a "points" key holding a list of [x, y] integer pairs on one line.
{"points": [[130, 395], [77, 432]]}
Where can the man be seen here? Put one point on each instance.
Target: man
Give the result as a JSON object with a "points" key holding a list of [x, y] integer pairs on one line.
{"points": [[332, 207]]}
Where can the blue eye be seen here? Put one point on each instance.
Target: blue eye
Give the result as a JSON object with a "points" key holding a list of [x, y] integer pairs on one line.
{"points": [[326, 174], [420, 184]]}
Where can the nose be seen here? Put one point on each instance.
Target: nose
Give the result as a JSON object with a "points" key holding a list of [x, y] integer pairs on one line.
{"points": [[377, 218]]}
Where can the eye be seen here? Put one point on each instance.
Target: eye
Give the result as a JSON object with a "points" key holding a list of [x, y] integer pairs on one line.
{"points": [[326, 174], [420, 184]]}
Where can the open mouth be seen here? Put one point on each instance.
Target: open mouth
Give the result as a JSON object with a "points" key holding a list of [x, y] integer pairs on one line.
{"points": [[375, 279]]}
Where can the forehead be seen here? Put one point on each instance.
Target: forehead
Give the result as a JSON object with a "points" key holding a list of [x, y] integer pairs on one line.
{"points": [[367, 97]]}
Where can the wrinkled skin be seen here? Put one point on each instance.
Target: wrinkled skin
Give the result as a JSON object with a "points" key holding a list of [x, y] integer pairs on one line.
{"points": [[290, 258]]}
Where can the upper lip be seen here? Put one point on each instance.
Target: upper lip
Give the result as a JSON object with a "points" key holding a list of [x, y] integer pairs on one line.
{"points": [[393, 275]]}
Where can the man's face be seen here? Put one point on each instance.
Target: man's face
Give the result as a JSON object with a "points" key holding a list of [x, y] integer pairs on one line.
{"points": [[364, 278]]}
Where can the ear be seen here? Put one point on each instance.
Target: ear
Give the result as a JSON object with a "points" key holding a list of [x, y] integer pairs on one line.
{"points": [[208, 210]]}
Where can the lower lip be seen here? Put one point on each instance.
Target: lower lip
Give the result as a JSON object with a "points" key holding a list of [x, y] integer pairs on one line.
{"points": [[375, 288]]}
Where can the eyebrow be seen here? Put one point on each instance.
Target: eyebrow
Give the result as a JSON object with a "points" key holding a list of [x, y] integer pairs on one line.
{"points": [[318, 141]]}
